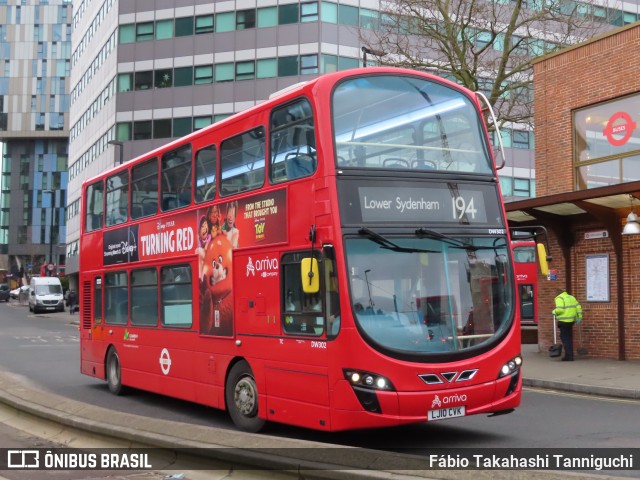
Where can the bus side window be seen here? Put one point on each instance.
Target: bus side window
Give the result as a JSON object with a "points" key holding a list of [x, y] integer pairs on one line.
{"points": [[144, 189], [176, 178], [205, 174], [117, 198], [95, 206], [293, 143], [97, 300], [116, 298], [242, 162]]}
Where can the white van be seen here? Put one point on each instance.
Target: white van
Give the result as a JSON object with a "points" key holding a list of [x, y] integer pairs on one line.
{"points": [[45, 294]]}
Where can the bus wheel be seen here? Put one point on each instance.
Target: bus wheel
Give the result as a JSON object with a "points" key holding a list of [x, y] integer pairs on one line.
{"points": [[241, 395], [114, 376]]}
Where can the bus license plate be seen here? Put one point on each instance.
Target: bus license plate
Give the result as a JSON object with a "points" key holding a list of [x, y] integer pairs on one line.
{"points": [[444, 413]]}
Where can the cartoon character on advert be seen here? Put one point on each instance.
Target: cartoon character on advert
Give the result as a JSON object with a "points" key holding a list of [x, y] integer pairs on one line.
{"points": [[216, 305]]}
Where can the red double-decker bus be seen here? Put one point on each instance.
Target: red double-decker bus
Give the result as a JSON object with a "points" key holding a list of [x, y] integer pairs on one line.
{"points": [[336, 257]]}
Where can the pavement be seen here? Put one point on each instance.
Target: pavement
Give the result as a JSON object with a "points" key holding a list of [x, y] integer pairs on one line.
{"points": [[50, 414]]}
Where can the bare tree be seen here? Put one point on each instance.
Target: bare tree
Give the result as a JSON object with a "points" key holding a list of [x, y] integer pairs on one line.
{"points": [[485, 45]]}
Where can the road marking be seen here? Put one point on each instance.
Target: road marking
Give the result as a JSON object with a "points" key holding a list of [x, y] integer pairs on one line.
{"points": [[584, 396]]}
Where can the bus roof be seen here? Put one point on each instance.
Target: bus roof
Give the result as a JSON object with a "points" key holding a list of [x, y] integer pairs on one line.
{"points": [[276, 98]]}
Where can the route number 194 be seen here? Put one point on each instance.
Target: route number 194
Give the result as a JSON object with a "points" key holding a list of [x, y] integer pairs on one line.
{"points": [[462, 207]]}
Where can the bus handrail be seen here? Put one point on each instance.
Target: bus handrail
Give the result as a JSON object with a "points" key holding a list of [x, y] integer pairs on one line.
{"points": [[495, 125]]}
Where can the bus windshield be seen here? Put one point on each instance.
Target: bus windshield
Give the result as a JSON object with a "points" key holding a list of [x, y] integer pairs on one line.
{"points": [[424, 296], [404, 122]]}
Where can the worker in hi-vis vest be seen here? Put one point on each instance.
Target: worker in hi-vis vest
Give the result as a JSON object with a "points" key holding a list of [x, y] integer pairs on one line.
{"points": [[567, 312]]}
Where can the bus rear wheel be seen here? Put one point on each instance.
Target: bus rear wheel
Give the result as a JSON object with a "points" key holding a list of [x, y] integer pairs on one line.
{"points": [[113, 373], [241, 395]]}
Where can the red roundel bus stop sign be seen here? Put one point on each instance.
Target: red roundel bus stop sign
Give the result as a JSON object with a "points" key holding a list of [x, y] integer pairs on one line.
{"points": [[619, 129]]}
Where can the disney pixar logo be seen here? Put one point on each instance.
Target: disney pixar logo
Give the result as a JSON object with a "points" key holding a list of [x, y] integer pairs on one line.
{"points": [[619, 129]]}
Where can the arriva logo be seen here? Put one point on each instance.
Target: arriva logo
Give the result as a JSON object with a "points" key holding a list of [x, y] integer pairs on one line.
{"points": [[266, 267], [436, 402], [250, 268], [451, 399]]}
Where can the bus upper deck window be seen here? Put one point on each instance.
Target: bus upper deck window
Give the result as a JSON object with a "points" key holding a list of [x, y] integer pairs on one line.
{"points": [[117, 198], [293, 142], [95, 206], [176, 178]]}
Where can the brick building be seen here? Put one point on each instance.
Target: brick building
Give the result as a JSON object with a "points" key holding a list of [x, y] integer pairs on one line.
{"points": [[587, 148]]}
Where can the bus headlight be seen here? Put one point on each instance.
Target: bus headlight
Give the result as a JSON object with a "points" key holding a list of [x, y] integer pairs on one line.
{"points": [[510, 367], [369, 380]]}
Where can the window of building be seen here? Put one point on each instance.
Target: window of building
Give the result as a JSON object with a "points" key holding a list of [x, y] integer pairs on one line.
{"points": [[144, 31], [506, 186], [309, 12], [142, 130], [225, 22], [329, 63], [204, 24], [176, 293], [184, 26], [205, 174], [162, 128], [606, 149], [245, 70], [520, 139], [267, 68], [144, 297], [183, 76], [521, 187], [345, 63], [182, 126], [125, 82], [245, 19], [123, 131], [163, 78], [224, 72], [308, 64], [127, 33], [144, 80], [288, 13], [287, 66], [329, 12], [176, 178], [348, 15], [201, 122], [116, 298], [267, 17], [164, 29], [369, 19], [242, 162], [203, 74]]}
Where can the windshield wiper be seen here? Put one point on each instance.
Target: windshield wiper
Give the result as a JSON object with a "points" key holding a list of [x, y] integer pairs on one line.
{"points": [[388, 244]]}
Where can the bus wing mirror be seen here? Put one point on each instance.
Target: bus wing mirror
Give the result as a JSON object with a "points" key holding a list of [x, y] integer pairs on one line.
{"points": [[543, 259], [310, 278]]}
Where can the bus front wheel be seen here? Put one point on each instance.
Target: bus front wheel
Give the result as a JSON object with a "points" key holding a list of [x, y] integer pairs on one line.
{"points": [[241, 395], [114, 375]]}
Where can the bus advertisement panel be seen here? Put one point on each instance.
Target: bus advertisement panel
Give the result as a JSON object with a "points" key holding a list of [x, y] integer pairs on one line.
{"points": [[336, 257]]}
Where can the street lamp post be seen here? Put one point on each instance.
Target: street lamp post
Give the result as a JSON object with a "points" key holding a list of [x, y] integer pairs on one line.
{"points": [[365, 51], [50, 192], [116, 143]]}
